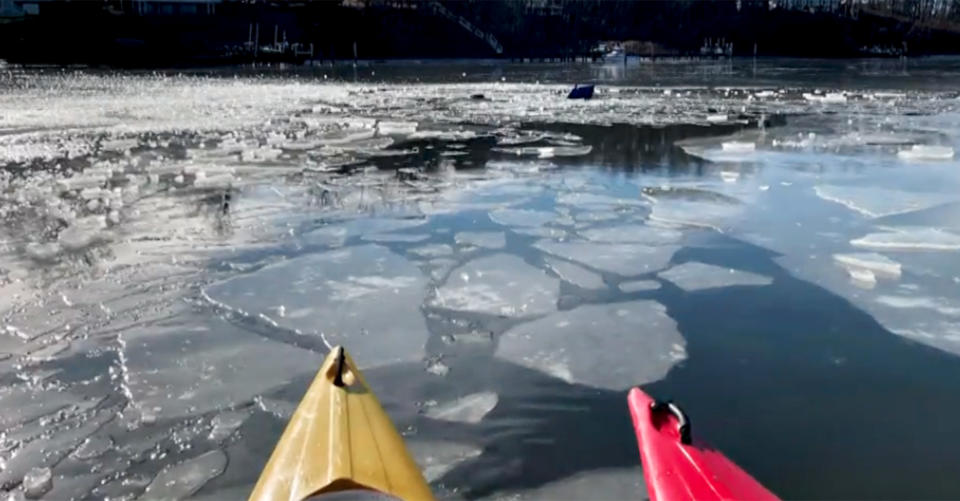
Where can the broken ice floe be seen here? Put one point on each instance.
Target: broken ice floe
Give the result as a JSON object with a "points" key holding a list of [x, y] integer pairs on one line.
{"points": [[926, 152], [869, 261], [575, 274], [365, 296], [184, 479], [432, 250], [634, 342], [639, 286], [694, 276], [436, 458], [939, 305], [520, 217], [500, 284], [910, 238], [467, 409], [633, 233], [485, 239], [878, 202], [623, 259]]}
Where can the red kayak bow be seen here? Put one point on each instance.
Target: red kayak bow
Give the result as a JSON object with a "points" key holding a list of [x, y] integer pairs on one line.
{"points": [[677, 469]]}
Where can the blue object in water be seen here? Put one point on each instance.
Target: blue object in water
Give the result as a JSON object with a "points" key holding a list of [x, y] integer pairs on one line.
{"points": [[581, 92]]}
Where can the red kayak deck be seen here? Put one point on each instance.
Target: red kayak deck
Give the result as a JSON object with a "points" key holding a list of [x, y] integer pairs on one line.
{"points": [[676, 468]]}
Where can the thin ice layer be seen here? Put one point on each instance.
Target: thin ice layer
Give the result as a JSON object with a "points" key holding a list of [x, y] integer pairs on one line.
{"points": [[574, 274], [910, 238], [365, 297], [633, 233], [609, 346], [500, 284], [623, 259], [878, 202], [694, 276]]}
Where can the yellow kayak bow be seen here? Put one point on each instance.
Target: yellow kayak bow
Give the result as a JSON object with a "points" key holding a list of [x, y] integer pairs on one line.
{"points": [[339, 439]]}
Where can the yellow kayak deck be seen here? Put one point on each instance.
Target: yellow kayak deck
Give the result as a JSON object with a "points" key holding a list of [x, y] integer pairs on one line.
{"points": [[339, 439]]}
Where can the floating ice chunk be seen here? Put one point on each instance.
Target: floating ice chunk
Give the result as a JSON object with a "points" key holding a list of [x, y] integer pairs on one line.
{"points": [[221, 181], [634, 342], [634, 233], [941, 306], [520, 217], [695, 213], [93, 447], [84, 232], [878, 202], [433, 250], [870, 261], [926, 152], [623, 259], [639, 286], [543, 232], [593, 217], [468, 409], [833, 97], [396, 237], [486, 239], [500, 284], [37, 482], [596, 201], [862, 278], [614, 483], [366, 297], [329, 236], [226, 423], [575, 274], [387, 128], [738, 146], [437, 458], [547, 151], [910, 238], [184, 479], [695, 276], [43, 252]]}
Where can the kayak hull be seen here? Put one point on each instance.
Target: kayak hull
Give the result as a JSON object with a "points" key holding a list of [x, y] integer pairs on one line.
{"points": [[677, 468], [339, 439]]}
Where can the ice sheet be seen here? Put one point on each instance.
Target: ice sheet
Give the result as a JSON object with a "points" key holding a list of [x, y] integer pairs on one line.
{"points": [[623, 259], [633, 342], [365, 297], [694, 276], [501, 284]]}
